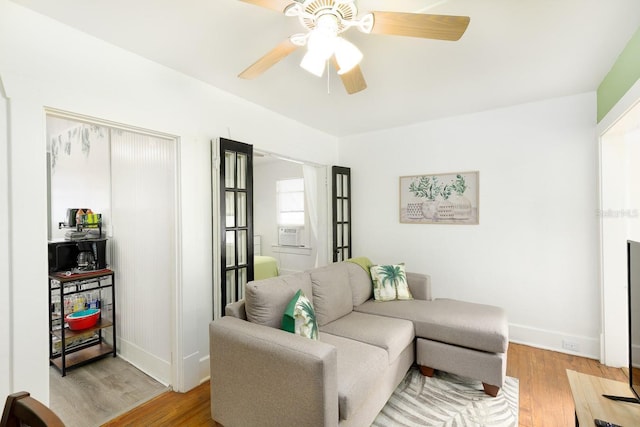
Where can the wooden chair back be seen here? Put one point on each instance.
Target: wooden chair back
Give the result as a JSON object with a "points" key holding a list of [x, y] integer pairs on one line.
{"points": [[21, 409]]}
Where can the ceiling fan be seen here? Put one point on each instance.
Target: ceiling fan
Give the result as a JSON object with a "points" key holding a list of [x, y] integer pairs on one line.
{"points": [[325, 20]]}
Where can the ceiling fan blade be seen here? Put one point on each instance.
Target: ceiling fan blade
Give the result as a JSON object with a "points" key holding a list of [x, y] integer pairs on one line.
{"points": [[440, 27], [277, 5], [353, 80], [267, 61]]}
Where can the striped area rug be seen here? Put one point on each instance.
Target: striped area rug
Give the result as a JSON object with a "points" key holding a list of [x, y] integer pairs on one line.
{"points": [[448, 400]]}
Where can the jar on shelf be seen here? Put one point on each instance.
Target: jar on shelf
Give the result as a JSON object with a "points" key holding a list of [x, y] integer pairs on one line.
{"points": [[79, 302]]}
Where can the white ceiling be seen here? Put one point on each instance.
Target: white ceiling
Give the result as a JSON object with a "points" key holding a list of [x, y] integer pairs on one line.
{"points": [[514, 51]]}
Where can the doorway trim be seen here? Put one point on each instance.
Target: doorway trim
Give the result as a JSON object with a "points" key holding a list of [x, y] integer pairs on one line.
{"points": [[612, 352], [6, 308], [176, 287]]}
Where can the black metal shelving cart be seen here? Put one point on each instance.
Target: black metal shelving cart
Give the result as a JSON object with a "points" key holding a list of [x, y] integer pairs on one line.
{"points": [[73, 292]]}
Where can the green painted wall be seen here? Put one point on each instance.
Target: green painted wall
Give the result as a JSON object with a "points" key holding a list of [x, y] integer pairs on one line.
{"points": [[624, 73]]}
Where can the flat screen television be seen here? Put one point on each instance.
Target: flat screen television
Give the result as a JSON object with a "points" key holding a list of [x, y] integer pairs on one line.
{"points": [[633, 305], [633, 274]]}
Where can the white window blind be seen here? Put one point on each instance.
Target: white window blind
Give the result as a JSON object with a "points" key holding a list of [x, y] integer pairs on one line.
{"points": [[290, 196]]}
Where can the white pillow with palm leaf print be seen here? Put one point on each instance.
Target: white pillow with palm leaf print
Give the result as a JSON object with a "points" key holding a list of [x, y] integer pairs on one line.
{"points": [[300, 317], [390, 282]]}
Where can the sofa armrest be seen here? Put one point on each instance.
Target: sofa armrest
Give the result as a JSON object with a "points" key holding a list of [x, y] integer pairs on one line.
{"points": [[236, 309], [268, 377], [420, 285]]}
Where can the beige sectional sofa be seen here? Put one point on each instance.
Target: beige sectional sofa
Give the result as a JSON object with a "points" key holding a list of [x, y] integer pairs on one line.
{"points": [[261, 375]]}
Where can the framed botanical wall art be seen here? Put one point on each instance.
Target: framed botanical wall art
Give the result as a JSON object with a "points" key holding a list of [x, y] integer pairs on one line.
{"points": [[445, 198]]}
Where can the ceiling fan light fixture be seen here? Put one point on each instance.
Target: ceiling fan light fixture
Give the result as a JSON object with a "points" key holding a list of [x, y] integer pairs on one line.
{"points": [[313, 63], [321, 43], [347, 55]]}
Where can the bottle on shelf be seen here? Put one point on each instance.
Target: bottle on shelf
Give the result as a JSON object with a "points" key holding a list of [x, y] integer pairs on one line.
{"points": [[93, 300], [79, 215], [68, 305]]}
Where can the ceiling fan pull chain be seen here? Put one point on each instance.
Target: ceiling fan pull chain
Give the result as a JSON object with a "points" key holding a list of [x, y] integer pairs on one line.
{"points": [[328, 79]]}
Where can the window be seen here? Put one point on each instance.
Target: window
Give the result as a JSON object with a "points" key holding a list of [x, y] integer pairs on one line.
{"points": [[290, 195]]}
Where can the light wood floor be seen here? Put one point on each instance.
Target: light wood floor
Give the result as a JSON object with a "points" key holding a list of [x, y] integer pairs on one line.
{"points": [[95, 393], [545, 396]]}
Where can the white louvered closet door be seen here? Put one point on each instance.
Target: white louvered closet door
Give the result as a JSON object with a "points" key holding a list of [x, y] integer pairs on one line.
{"points": [[143, 248]]}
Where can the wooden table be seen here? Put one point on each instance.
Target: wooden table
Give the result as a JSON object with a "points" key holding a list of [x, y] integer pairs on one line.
{"points": [[587, 391]]}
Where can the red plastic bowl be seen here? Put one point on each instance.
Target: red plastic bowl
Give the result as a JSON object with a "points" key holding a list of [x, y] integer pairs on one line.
{"points": [[82, 319]]}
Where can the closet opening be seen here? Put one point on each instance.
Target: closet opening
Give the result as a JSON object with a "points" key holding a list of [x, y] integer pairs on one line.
{"points": [[124, 181]]}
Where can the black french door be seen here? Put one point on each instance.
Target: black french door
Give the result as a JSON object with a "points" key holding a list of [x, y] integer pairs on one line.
{"points": [[341, 212], [236, 219]]}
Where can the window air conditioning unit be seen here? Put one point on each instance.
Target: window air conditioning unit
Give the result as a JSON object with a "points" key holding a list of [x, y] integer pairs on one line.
{"points": [[290, 236]]}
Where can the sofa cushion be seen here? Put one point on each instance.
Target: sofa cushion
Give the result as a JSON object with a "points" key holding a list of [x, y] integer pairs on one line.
{"points": [[390, 282], [476, 326], [299, 317], [358, 371], [266, 300], [332, 297], [392, 335], [360, 281]]}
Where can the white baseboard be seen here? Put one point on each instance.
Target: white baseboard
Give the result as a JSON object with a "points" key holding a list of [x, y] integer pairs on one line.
{"points": [[205, 369], [553, 340], [156, 368]]}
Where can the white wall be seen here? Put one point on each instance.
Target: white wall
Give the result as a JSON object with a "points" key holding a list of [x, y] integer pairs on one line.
{"points": [[44, 63], [535, 251], [632, 141]]}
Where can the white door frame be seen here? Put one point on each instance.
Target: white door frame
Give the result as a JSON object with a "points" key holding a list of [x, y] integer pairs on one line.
{"points": [[177, 365], [613, 340]]}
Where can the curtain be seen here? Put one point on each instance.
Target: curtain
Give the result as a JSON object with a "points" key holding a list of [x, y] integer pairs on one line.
{"points": [[310, 174]]}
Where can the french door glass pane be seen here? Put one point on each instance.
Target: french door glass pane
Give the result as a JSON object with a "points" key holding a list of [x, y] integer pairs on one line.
{"points": [[242, 171], [338, 185], [345, 234], [345, 209], [231, 286], [230, 207], [229, 169], [242, 209], [242, 247], [345, 186], [242, 280], [231, 248]]}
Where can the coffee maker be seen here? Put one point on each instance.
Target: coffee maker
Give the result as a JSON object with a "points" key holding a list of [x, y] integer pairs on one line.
{"points": [[77, 255]]}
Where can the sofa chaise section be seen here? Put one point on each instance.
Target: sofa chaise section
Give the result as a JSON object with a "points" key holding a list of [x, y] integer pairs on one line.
{"points": [[463, 338]]}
